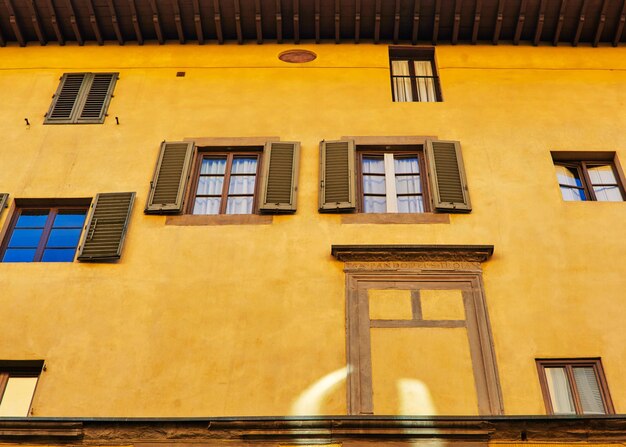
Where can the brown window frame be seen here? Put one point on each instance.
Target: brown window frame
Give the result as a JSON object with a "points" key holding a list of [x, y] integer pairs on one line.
{"points": [[365, 150], [53, 208], [582, 167], [569, 364], [230, 153], [412, 54], [20, 368]]}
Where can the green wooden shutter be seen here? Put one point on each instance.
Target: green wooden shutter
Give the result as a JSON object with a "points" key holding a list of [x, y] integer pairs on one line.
{"points": [[280, 176], [337, 174], [106, 228], [167, 188], [63, 108], [95, 102], [3, 201], [447, 176]]}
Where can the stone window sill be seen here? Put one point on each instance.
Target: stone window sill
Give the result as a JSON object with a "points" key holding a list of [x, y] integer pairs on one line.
{"points": [[395, 218], [221, 219]]}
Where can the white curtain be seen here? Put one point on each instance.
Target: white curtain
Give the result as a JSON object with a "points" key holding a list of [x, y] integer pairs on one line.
{"points": [[401, 86], [425, 86], [560, 395], [588, 390]]}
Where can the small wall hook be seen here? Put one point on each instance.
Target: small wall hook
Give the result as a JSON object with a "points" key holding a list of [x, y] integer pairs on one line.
{"points": [[27, 123], [117, 121]]}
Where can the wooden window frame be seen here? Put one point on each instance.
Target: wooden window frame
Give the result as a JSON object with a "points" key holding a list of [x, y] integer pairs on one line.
{"points": [[230, 153], [20, 368], [412, 54], [362, 150], [582, 166], [569, 364], [53, 208]]}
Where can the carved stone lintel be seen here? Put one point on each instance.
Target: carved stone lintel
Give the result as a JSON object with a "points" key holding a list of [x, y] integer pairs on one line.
{"points": [[413, 266], [412, 253]]}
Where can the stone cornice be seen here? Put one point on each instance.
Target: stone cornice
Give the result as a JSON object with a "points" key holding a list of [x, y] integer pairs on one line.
{"points": [[412, 253]]}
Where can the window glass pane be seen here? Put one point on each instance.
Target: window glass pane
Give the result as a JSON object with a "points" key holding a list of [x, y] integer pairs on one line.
{"points": [[25, 238], [213, 166], [408, 184], [63, 238], [588, 390], [244, 165], [406, 165], [374, 184], [373, 165], [608, 194], [410, 204], [601, 175], [18, 396], [560, 396], [401, 81], [33, 218], [568, 176], [239, 205], [19, 255], [58, 255], [210, 186], [69, 218], [241, 184], [374, 204], [207, 205], [572, 194]]}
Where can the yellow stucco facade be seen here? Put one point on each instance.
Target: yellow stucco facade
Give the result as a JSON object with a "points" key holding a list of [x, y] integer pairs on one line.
{"points": [[249, 320]]}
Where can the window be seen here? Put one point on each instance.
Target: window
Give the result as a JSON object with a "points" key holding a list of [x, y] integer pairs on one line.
{"points": [[589, 180], [18, 380], [224, 179], [403, 178], [82, 98], [574, 386], [44, 234], [414, 75], [49, 230]]}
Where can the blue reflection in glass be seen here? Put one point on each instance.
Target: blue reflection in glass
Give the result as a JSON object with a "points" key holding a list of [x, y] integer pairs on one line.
{"points": [[32, 220], [19, 255], [58, 255], [63, 238], [69, 219], [25, 238]]}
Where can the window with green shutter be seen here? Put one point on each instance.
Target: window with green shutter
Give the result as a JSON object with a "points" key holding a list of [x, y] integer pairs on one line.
{"points": [[82, 98]]}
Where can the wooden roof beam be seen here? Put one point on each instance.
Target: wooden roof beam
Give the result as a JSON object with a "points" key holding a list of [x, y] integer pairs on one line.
{"points": [[257, 21], [55, 23], [74, 22], [279, 22], [436, 22], [416, 22], [135, 20], [156, 20], [238, 28], [521, 18], [377, 23], [197, 20], [317, 21], [479, 5], [296, 21], [457, 21], [357, 21], [601, 23], [620, 25], [178, 21], [34, 17], [499, 18], [337, 21], [559, 24], [396, 22], [217, 16], [581, 23], [3, 42], [116, 24], [541, 18], [94, 22], [15, 24]]}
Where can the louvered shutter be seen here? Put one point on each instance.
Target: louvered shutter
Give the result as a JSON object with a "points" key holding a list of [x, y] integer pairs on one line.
{"points": [[337, 184], [64, 106], [106, 229], [447, 176], [3, 201], [280, 176], [94, 103], [167, 188]]}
